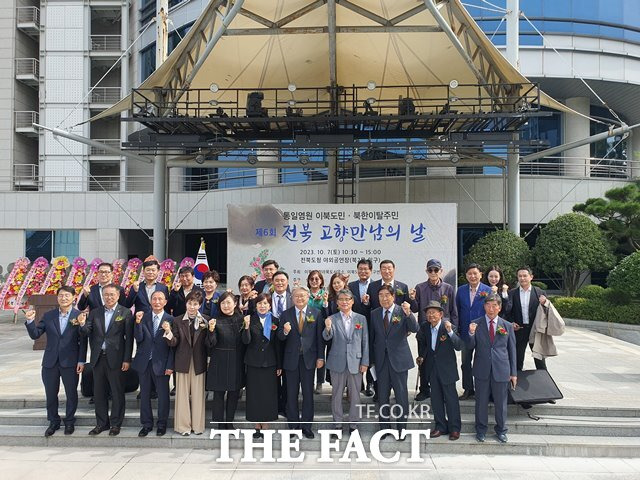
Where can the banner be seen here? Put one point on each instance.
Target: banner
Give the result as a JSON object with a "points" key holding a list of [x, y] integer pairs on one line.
{"points": [[332, 238]]}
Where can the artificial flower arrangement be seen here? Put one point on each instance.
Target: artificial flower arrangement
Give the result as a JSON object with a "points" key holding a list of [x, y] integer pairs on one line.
{"points": [[77, 274], [256, 263], [14, 282], [34, 279], [55, 277], [167, 270], [131, 274], [118, 270], [186, 262], [92, 275]]}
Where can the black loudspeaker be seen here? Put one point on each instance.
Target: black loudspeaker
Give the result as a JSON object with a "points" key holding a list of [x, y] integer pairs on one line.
{"points": [[406, 106], [535, 386], [131, 381]]}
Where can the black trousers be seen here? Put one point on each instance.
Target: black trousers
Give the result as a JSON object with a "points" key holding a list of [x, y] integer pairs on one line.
{"points": [[424, 379], [388, 379], [219, 408], [150, 382], [522, 341], [301, 377], [103, 379], [445, 405], [467, 370], [51, 380]]}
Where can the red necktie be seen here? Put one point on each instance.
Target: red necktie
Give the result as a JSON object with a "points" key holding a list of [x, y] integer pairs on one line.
{"points": [[492, 332], [385, 320]]}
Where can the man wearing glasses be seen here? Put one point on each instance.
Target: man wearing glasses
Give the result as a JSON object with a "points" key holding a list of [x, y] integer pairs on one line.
{"points": [[92, 297], [434, 289]]}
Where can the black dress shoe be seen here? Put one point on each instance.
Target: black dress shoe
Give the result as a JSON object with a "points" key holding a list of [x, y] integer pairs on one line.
{"points": [[467, 394], [98, 430], [52, 429], [144, 431], [161, 431], [69, 429], [173, 392], [422, 395], [368, 391], [308, 434], [114, 431], [258, 434]]}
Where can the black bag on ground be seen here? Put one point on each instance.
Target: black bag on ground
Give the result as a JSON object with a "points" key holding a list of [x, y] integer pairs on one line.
{"points": [[535, 386]]}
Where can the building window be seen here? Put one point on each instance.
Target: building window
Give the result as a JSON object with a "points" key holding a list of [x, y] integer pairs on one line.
{"points": [[52, 243]]}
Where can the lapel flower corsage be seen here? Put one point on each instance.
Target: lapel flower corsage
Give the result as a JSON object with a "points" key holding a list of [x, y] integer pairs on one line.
{"points": [[443, 338], [274, 327], [358, 326], [311, 319], [443, 300], [399, 292], [74, 322], [395, 319], [484, 293], [501, 330], [119, 318], [215, 300]]}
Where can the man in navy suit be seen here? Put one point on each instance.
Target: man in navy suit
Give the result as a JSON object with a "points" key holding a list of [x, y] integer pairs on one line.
{"points": [[521, 312], [281, 301], [300, 329], [110, 333], [389, 328], [470, 305], [154, 363], [64, 357], [359, 289], [401, 291], [269, 269], [92, 297], [494, 366], [140, 292], [437, 345]]}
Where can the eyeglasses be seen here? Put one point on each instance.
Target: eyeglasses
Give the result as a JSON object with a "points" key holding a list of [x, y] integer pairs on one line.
{"points": [[344, 299], [433, 269], [104, 272]]}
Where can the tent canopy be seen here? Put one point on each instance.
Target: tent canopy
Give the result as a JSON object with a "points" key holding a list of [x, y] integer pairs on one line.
{"points": [[272, 44]]}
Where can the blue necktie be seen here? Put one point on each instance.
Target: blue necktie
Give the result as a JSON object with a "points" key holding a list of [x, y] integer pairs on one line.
{"points": [[156, 324], [280, 305]]}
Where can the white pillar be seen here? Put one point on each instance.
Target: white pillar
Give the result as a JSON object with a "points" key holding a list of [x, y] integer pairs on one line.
{"points": [[513, 155], [267, 176], [332, 174], [576, 127]]}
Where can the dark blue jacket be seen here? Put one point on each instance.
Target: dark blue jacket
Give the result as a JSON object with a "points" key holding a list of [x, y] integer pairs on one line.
{"points": [[140, 301], [468, 312], [67, 349], [149, 342]]}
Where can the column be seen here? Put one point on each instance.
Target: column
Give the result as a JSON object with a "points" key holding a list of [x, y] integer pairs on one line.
{"points": [[577, 160]]}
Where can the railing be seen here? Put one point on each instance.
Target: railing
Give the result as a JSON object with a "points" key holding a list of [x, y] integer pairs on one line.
{"points": [[28, 174], [105, 43], [27, 66], [26, 119], [28, 15], [106, 95], [110, 142]]}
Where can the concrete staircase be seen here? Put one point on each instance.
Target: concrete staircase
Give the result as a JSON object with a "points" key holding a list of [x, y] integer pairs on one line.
{"points": [[562, 430]]}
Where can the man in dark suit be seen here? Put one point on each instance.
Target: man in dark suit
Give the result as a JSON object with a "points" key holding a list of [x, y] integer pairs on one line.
{"points": [[64, 357], [154, 362], [389, 328], [437, 345], [110, 333], [269, 269], [470, 305], [494, 366], [140, 292], [521, 312], [359, 289], [281, 301], [300, 329], [92, 297], [434, 289], [401, 291]]}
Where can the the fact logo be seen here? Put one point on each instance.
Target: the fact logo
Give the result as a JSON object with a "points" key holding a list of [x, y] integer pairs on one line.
{"points": [[289, 450]]}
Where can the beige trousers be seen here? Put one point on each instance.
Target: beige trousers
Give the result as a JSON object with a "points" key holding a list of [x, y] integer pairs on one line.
{"points": [[190, 402]]}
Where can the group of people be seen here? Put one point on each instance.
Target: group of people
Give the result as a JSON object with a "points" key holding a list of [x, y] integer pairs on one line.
{"points": [[273, 340]]}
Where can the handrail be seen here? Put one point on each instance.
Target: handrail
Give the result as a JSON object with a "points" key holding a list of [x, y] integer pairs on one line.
{"points": [[28, 15], [104, 43], [27, 66]]}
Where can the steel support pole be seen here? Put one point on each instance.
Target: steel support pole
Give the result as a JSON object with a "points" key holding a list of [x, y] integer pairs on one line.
{"points": [[513, 155], [332, 154]]}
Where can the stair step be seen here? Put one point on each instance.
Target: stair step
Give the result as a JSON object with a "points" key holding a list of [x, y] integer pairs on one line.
{"points": [[547, 445]]}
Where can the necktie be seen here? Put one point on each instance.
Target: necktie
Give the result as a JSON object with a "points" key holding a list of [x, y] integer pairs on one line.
{"points": [[63, 323], [156, 323], [301, 322], [386, 320], [280, 305], [492, 332]]}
